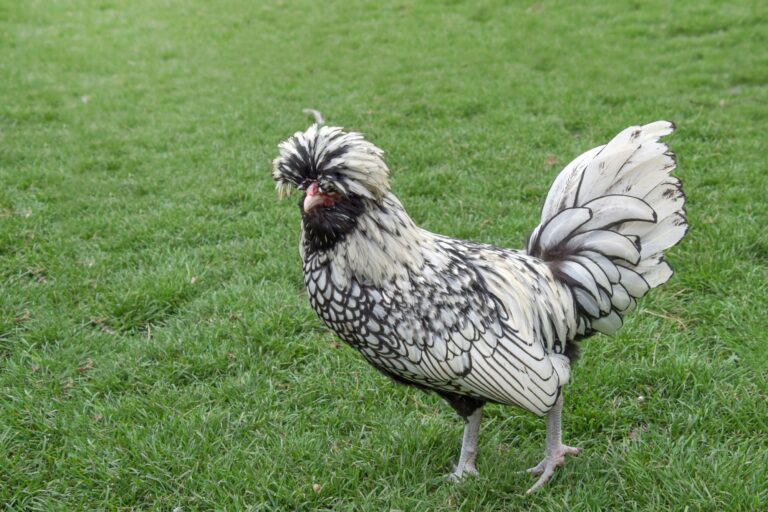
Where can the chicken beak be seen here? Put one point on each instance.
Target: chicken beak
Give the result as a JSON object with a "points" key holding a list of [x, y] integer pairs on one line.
{"points": [[313, 198], [312, 201]]}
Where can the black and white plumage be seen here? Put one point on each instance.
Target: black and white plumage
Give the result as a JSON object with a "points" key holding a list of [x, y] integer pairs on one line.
{"points": [[474, 322]]}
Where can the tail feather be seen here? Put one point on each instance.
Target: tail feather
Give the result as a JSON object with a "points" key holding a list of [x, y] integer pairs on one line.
{"points": [[607, 220], [606, 211]]}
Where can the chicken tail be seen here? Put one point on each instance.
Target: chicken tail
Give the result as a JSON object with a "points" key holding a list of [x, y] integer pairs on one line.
{"points": [[607, 220]]}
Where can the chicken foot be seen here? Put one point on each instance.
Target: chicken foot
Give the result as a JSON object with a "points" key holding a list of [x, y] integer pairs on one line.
{"points": [[555, 451]]}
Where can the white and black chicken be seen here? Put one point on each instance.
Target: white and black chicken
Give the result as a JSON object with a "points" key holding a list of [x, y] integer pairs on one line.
{"points": [[473, 322]]}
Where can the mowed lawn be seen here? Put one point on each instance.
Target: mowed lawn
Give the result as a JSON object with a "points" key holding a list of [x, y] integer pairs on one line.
{"points": [[157, 350]]}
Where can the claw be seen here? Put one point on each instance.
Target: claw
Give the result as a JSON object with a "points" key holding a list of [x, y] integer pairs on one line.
{"points": [[459, 474], [538, 468], [546, 468]]}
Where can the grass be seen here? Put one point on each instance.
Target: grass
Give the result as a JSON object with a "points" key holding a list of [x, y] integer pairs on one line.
{"points": [[156, 347]]}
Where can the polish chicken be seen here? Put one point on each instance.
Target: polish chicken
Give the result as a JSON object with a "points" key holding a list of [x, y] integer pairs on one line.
{"points": [[473, 322]]}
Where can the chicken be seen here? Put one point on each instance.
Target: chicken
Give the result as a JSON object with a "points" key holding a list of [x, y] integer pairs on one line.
{"points": [[473, 322]]}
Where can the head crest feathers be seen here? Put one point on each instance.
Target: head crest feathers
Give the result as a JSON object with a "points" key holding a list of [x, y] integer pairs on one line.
{"points": [[342, 161]]}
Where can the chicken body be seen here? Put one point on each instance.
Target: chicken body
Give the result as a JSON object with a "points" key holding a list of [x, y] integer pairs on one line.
{"points": [[473, 322], [445, 314]]}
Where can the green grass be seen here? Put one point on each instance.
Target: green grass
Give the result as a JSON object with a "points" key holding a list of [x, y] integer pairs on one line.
{"points": [[156, 346]]}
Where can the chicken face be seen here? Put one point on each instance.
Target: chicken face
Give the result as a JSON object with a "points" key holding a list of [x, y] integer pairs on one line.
{"points": [[328, 216], [316, 197]]}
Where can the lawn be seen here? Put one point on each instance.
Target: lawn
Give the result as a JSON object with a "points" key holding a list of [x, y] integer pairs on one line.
{"points": [[157, 350]]}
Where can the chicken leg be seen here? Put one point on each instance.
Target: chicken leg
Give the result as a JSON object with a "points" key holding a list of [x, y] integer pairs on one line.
{"points": [[466, 465], [555, 451]]}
